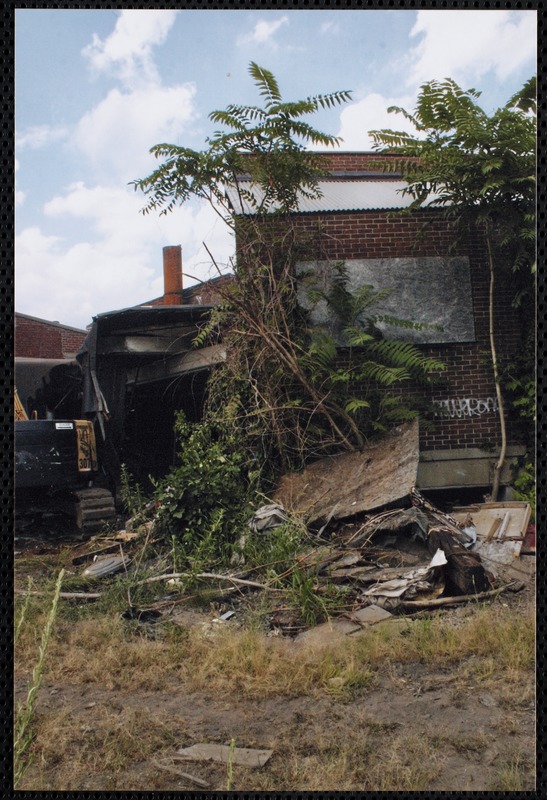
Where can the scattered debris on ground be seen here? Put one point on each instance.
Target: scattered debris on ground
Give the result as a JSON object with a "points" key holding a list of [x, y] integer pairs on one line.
{"points": [[402, 573], [106, 565], [500, 531], [395, 560]]}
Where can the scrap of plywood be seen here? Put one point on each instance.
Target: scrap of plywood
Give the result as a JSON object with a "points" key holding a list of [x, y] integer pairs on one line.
{"points": [[500, 531], [343, 485]]}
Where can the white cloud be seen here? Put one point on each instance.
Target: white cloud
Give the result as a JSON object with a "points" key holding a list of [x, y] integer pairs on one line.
{"points": [[117, 134], [263, 32], [368, 114], [19, 195], [86, 278], [463, 45], [459, 44], [120, 263], [40, 136], [128, 50]]}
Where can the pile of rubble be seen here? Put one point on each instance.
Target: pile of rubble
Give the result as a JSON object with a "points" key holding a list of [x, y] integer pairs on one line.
{"points": [[376, 543], [400, 560]]}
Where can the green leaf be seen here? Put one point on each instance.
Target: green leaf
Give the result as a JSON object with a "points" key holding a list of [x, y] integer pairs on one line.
{"points": [[354, 404]]}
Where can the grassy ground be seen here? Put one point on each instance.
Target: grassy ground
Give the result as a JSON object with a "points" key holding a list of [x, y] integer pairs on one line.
{"points": [[444, 701]]}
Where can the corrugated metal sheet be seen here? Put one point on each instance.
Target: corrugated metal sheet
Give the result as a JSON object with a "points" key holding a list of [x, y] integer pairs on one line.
{"points": [[348, 195]]}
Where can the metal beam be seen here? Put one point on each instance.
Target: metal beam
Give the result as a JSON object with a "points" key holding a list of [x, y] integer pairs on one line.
{"points": [[182, 364], [167, 342]]}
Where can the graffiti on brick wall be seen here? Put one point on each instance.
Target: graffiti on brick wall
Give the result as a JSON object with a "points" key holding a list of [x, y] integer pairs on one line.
{"points": [[462, 407]]}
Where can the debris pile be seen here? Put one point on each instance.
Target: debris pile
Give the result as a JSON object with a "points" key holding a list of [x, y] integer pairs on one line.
{"points": [[374, 543], [361, 570]]}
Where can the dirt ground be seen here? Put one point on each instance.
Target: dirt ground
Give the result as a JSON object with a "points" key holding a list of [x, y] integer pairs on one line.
{"points": [[415, 728], [474, 730]]}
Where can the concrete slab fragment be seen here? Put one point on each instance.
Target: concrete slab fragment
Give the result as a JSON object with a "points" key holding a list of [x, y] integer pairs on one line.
{"points": [[240, 756], [328, 633], [371, 614]]}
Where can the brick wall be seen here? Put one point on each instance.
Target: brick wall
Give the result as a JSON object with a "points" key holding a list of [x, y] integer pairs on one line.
{"points": [[207, 293], [361, 235], [201, 294], [358, 162], [38, 338]]}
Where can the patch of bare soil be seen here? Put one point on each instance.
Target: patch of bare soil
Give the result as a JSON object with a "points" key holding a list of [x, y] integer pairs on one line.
{"points": [[417, 728]]}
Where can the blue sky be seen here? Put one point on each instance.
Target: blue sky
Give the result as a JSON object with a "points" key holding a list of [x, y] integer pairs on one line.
{"points": [[95, 89]]}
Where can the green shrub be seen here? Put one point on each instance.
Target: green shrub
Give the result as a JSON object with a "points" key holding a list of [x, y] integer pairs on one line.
{"points": [[204, 500]]}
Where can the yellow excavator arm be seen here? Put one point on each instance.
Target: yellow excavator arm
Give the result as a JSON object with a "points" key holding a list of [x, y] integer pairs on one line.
{"points": [[18, 408]]}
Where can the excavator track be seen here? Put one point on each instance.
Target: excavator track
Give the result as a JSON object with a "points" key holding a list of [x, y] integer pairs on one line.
{"points": [[94, 509]]}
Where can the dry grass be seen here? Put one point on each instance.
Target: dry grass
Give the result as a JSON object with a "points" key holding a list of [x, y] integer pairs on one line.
{"points": [[105, 748], [251, 665], [360, 761], [514, 775], [108, 651], [492, 632], [107, 742]]}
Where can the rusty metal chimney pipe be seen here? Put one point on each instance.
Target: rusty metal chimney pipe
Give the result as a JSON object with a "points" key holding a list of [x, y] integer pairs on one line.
{"points": [[172, 275]]}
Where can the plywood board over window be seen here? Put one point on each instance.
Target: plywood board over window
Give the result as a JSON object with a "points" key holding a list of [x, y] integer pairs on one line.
{"points": [[432, 291]]}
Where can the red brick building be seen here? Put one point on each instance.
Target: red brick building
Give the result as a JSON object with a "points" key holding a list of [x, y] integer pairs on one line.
{"points": [[41, 338], [433, 280]]}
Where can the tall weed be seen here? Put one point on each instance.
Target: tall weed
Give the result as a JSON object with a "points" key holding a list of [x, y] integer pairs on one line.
{"points": [[24, 735]]}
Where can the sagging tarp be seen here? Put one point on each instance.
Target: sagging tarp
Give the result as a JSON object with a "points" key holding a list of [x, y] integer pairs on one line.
{"points": [[123, 341]]}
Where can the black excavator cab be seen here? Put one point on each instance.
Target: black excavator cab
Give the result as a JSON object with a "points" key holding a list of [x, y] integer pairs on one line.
{"points": [[57, 473]]}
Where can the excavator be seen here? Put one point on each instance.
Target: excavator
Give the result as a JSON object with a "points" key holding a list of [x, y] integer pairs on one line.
{"points": [[57, 473]]}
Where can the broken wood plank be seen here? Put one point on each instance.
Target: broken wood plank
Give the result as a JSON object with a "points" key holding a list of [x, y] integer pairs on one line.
{"points": [[501, 533], [464, 568], [493, 528], [450, 601], [186, 775], [211, 576], [350, 483], [64, 595]]}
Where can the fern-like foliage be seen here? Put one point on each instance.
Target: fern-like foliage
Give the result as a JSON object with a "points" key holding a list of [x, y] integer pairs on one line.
{"points": [[368, 373], [268, 143], [479, 168]]}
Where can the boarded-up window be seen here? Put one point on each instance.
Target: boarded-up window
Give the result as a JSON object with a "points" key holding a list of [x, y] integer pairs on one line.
{"points": [[435, 292]]}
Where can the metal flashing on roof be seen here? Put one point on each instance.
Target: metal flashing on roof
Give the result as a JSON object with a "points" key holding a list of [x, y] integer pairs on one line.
{"points": [[145, 316], [377, 194]]}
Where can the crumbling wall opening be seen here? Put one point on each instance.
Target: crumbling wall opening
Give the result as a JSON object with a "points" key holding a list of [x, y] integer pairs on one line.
{"points": [[148, 448]]}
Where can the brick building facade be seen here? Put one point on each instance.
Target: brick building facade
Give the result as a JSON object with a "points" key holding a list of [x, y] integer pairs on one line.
{"points": [[342, 227], [41, 338]]}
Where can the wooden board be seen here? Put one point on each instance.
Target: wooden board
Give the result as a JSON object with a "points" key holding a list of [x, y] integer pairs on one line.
{"points": [[344, 485], [489, 519]]}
